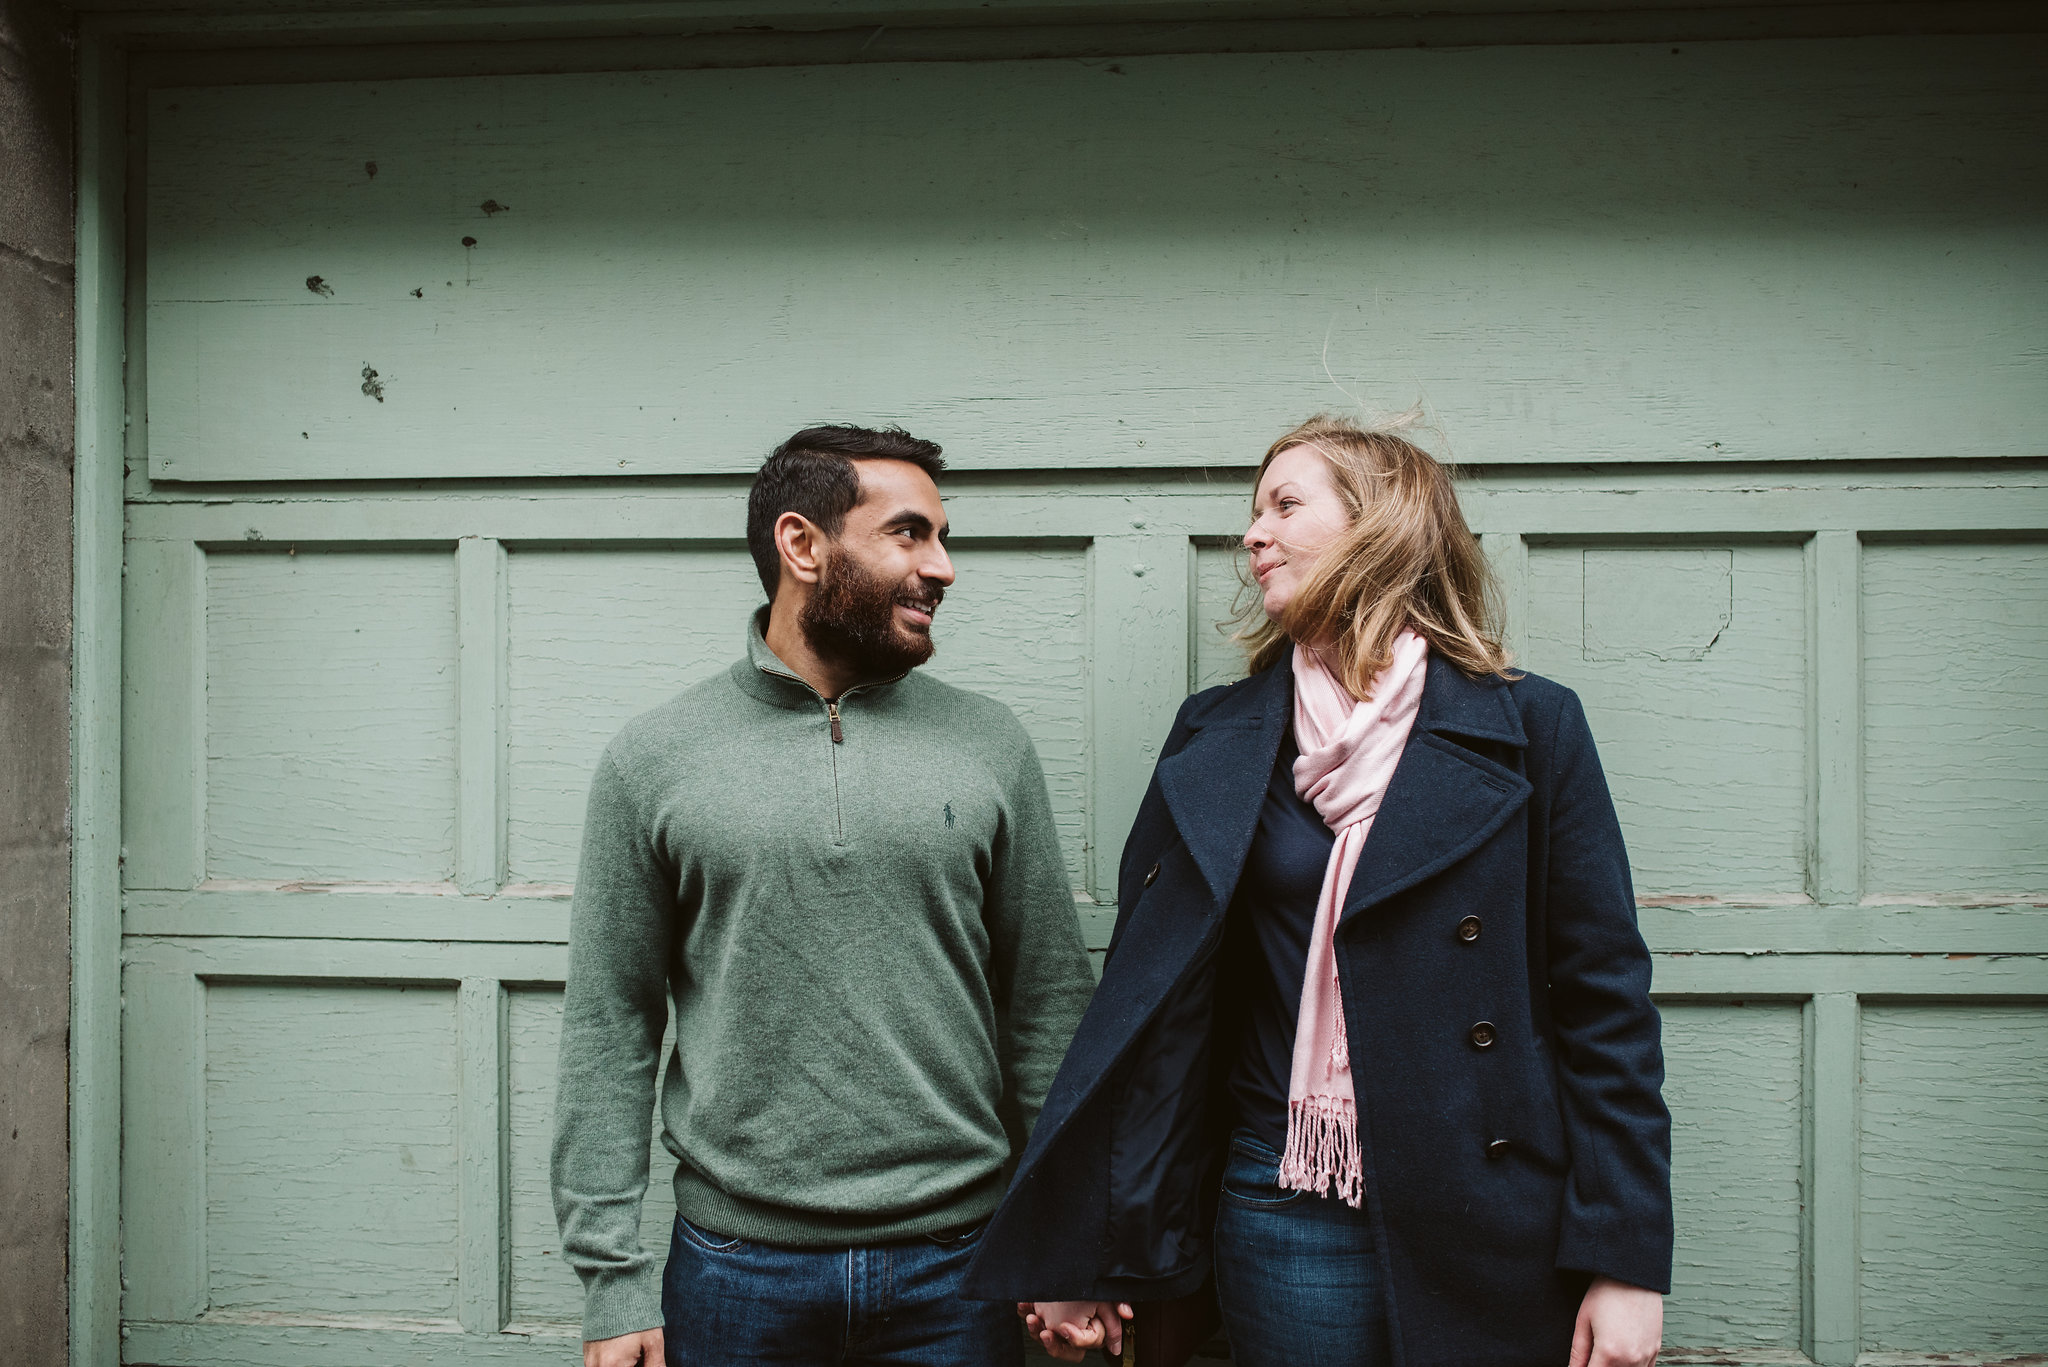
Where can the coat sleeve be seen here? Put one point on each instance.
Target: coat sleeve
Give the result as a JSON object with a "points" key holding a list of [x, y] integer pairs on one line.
{"points": [[1617, 1216]]}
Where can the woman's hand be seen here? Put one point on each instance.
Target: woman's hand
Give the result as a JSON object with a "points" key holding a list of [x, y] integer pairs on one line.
{"points": [[1068, 1329], [1619, 1326]]}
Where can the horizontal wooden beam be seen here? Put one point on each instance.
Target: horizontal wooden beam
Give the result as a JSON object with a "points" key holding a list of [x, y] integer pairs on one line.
{"points": [[1680, 503], [342, 1345], [669, 34], [1889, 929]]}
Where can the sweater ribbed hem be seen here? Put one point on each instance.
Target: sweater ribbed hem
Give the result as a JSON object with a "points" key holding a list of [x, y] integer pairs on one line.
{"points": [[720, 1212]]}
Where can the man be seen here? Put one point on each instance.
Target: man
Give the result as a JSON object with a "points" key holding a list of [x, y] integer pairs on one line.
{"points": [[845, 874]]}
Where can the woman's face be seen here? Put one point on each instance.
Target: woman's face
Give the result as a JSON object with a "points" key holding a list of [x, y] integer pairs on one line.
{"points": [[1296, 512]]}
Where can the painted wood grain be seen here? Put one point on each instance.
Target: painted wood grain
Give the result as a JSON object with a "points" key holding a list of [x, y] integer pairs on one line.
{"points": [[163, 1144], [481, 649], [1064, 264], [1833, 1029], [1691, 662], [1219, 587], [1955, 687], [1139, 584], [1563, 502], [545, 1292], [1733, 1084], [331, 1152], [164, 715], [596, 636], [331, 715], [1834, 559], [1955, 1177]]}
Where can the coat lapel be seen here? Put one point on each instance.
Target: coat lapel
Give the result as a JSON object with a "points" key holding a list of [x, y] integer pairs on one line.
{"points": [[1444, 800], [1216, 783]]}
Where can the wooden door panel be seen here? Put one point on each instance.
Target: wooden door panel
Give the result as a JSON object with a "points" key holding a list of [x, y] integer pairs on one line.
{"points": [[1955, 688], [1738, 1105], [1692, 663], [1954, 1175], [330, 716], [332, 1185], [1586, 253]]}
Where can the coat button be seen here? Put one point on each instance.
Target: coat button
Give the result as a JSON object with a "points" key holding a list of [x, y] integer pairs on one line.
{"points": [[1482, 1034], [1468, 929], [1498, 1148], [1151, 874]]}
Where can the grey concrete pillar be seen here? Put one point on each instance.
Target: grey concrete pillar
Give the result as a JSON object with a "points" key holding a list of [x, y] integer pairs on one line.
{"points": [[36, 258]]}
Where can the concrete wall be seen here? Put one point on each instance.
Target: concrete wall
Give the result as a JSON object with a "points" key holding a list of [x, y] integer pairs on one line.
{"points": [[35, 677]]}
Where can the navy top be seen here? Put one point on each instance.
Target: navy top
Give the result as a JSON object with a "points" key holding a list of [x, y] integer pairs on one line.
{"points": [[1271, 918]]}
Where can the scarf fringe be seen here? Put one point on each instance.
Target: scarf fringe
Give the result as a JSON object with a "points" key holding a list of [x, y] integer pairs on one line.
{"points": [[1322, 1149]]}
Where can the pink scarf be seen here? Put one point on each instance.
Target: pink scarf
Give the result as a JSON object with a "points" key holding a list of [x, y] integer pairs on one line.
{"points": [[1348, 753]]}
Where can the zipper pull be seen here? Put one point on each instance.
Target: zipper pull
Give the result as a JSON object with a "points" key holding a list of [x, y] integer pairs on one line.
{"points": [[832, 711]]}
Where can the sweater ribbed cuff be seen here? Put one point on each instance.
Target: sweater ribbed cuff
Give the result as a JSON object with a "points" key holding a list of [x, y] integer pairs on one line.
{"points": [[616, 1303]]}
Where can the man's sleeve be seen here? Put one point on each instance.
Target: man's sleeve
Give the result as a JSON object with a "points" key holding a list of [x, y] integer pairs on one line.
{"points": [[1041, 974], [613, 1014]]}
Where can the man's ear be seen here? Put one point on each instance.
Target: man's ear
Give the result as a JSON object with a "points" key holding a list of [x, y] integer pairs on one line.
{"points": [[801, 546]]}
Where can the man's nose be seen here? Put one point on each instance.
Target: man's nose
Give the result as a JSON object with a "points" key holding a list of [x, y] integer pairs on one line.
{"points": [[938, 566]]}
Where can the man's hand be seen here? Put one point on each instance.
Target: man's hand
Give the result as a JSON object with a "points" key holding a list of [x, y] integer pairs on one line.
{"points": [[1068, 1329], [1619, 1326], [643, 1349]]}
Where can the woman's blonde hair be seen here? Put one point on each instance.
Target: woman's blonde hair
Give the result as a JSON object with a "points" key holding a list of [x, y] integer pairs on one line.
{"points": [[1406, 559]]}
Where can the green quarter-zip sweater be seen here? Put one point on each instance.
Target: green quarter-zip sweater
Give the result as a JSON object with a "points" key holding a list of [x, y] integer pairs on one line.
{"points": [[861, 914]]}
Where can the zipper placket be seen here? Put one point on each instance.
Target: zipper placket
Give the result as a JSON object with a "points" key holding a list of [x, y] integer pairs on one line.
{"points": [[838, 739]]}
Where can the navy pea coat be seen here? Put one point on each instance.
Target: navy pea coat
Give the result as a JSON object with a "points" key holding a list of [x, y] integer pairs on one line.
{"points": [[1504, 1049]]}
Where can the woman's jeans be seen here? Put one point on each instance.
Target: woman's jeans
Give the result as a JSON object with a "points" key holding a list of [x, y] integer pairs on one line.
{"points": [[1296, 1273], [731, 1301]]}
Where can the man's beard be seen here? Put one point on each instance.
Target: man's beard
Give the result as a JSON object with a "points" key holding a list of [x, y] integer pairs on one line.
{"points": [[851, 618]]}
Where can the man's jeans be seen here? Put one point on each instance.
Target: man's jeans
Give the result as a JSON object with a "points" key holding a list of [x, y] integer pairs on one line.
{"points": [[729, 1301], [1296, 1274]]}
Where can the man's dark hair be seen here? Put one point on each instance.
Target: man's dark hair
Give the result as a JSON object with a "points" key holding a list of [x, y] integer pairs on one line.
{"points": [[812, 475]]}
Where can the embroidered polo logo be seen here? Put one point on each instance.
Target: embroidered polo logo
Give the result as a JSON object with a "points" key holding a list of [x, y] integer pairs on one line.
{"points": [[949, 816]]}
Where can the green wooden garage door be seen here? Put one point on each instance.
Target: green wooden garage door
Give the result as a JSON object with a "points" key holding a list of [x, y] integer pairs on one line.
{"points": [[443, 395]]}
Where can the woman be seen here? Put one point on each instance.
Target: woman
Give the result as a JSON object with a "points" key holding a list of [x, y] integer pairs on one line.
{"points": [[1374, 1045]]}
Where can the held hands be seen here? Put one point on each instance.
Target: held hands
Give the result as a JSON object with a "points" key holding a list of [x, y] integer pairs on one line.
{"points": [[1068, 1329], [1619, 1326], [643, 1349]]}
